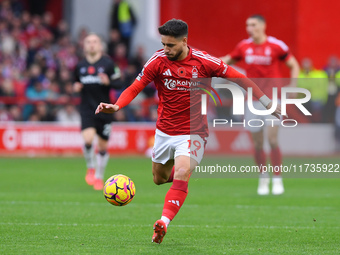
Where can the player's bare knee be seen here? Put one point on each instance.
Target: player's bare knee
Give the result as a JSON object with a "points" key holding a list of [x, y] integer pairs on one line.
{"points": [[182, 173], [273, 142], [258, 145]]}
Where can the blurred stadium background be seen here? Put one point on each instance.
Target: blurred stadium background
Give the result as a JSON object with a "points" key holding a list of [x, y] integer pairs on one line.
{"points": [[47, 208], [41, 43]]}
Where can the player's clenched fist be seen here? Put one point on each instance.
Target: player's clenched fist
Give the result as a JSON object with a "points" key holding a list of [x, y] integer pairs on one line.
{"points": [[107, 108]]}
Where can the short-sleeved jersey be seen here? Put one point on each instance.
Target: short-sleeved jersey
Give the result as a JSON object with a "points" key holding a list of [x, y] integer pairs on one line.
{"points": [[262, 60], [94, 91], [179, 109]]}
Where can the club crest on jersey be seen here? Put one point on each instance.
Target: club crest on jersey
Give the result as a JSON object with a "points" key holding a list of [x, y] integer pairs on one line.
{"points": [[267, 51], [100, 69], [83, 70], [91, 70], [181, 72], [249, 51], [194, 72]]}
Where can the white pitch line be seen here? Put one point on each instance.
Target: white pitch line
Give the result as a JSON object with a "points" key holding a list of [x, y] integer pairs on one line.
{"points": [[172, 226]]}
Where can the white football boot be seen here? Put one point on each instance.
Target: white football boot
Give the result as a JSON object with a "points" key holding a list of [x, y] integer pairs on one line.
{"points": [[263, 188], [277, 186]]}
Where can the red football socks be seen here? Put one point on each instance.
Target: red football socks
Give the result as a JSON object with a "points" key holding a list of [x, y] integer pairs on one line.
{"points": [[276, 159], [174, 199], [260, 158], [171, 177]]}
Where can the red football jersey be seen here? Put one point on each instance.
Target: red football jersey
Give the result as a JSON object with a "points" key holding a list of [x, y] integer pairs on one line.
{"points": [[262, 61], [179, 109]]}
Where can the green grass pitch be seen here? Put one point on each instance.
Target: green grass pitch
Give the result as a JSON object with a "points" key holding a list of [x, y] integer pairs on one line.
{"points": [[47, 208]]}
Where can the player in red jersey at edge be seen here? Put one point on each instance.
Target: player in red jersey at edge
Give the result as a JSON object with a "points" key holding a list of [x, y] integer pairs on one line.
{"points": [[172, 69], [263, 56]]}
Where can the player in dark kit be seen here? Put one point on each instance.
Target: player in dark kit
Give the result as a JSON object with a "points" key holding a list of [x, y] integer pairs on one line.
{"points": [[179, 142], [94, 77]]}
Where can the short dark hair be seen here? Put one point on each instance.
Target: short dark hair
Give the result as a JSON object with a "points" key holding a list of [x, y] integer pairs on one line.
{"points": [[174, 27], [257, 16]]}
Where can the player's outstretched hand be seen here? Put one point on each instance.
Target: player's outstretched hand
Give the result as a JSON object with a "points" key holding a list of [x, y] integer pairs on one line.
{"points": [[277, 112], [107, 108]]}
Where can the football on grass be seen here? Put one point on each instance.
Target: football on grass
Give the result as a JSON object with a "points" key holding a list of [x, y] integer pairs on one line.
{"points": [[119, 190]]}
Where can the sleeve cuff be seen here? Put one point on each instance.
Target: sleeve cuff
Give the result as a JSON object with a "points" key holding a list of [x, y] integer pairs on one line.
{"points": [[265, 100]]}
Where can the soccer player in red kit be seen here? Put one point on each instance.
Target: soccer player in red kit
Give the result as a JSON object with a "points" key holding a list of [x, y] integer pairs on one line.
{"points": [[172, 70], [263, 55]]}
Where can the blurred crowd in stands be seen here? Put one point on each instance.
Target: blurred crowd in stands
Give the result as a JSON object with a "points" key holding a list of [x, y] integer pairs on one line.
{"points": [[37, 60]]}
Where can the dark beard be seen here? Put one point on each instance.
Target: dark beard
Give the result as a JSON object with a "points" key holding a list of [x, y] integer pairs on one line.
{"points": [[174, 58]]}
